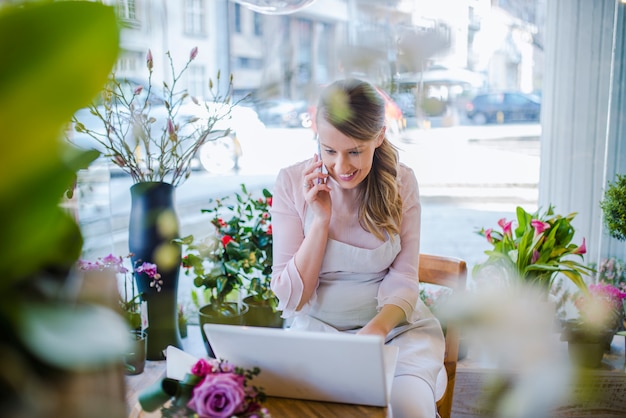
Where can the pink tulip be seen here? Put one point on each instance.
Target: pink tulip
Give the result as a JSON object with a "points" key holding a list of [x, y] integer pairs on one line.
{"points": [[488, 235], [582, 249], [535, 257], [506, 226], [539, 226]]}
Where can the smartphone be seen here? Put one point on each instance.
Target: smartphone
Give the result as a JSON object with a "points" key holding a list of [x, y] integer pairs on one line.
{"points": [[323, 169]]}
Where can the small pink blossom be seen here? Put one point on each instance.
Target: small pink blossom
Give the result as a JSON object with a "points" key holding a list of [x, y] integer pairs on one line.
{"points": [[535, 257], [138, 90], [582, 249], [202, 368], [539, 226], [193, 54], [488, 235], [506, 226], [149, 60]]}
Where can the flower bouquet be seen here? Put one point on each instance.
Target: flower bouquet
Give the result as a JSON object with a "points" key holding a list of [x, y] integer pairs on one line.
{"points": [[538, 248], [152, 135], [213, 388], [238, 255], [130, 302], [602, 307]]}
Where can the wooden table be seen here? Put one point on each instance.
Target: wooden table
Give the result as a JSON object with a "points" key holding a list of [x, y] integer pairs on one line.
{"points": [[604, 389], [278, 407]]}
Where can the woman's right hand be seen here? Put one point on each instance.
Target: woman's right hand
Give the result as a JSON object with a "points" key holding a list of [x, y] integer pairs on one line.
{"points": [[316, 191]]}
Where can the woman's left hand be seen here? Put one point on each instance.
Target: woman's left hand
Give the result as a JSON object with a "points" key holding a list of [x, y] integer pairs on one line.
{"points": [[373, 329], [384, 321]]}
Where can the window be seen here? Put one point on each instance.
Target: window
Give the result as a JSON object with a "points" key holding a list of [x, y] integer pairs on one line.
{"points": [[237, 18], [195, 16], [258, 24], [127, 10], [130, 62], [195, 80], [245, 63]]}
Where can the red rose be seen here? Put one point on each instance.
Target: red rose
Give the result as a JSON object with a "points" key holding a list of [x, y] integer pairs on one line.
{"points": [[226, 239]]}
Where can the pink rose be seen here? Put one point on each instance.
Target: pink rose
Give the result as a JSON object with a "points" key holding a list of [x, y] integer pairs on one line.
{"points": [[202, 368], [219, 395]]}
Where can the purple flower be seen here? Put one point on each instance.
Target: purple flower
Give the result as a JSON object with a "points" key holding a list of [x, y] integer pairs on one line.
{"points": [[110, 262], [88, 265], [150, 270], [219, 395], [193, 54]]}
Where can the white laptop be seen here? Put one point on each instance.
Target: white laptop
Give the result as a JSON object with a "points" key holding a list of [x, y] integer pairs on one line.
{"points": [[322, 366]]}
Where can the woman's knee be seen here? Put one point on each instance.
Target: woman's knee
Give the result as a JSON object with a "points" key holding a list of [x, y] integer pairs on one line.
{"points": [[412, 397]]}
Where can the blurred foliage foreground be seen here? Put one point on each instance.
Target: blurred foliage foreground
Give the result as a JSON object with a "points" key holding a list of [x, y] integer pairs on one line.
{"points": [[56, 56]]}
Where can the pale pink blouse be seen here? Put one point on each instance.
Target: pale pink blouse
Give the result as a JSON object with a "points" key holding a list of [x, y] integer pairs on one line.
{"points": [[400, 285]]}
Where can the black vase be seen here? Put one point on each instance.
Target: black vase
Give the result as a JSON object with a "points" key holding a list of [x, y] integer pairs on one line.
{"points": [[152, 227]]}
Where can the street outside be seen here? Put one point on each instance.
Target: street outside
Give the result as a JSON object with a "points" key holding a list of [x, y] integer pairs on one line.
{"points": [[469, 176]]}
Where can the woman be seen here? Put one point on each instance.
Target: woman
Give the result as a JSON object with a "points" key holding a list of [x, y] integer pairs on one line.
{"points": [[346, 243]]}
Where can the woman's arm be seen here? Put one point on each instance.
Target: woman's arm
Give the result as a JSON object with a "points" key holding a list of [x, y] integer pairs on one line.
{"points": [[297, 259]]}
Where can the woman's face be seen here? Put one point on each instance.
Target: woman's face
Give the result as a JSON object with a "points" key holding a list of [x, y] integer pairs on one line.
{"points": [[348, 160]]}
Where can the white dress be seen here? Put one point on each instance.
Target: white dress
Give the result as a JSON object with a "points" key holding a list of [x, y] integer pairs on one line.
{"points": [[345, 301], [359, 274]]}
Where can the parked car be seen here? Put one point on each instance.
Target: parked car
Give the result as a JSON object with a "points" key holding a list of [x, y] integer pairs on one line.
{"points": [[283, 113], [502, 107]]}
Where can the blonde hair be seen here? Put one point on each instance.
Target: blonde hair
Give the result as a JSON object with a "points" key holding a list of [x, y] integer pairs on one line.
{"points": [[357, 110]]}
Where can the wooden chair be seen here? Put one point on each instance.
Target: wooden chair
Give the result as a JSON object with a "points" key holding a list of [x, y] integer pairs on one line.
{"points": [[452, 273]]}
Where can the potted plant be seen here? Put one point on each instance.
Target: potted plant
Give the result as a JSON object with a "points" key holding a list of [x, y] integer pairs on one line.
{"points": [[234, 260], [537, 249], [250, 225], [600, 313], [154, 135], [130, 303], [613, 205]]}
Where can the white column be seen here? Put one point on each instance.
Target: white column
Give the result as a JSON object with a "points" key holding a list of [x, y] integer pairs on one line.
{"points": [[581, 118]]}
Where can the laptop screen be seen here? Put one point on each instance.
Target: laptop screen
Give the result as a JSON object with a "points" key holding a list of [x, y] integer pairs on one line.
{"points": [[324, 366]]}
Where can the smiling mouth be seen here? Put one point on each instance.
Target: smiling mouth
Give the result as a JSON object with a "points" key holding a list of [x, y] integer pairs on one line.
{"points": [[347, 177]]}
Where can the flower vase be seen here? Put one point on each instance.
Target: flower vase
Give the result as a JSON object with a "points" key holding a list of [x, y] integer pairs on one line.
{"points": [[153, 225]]}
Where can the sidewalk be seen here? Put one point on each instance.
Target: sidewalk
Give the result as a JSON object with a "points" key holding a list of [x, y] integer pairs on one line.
{"points": [[498, 163]]}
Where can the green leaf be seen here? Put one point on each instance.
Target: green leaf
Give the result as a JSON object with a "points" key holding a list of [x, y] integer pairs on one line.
{"points": [[55, 58], [74, 337]]}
